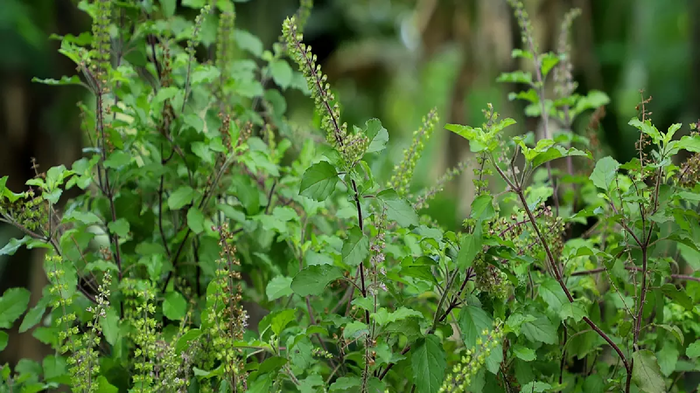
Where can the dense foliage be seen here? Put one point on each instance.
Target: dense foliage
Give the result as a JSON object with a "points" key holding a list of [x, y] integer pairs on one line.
{"points": [[214, 245]]}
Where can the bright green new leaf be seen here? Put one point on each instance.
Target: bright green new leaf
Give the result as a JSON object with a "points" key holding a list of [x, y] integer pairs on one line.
{"points": [[693, 350], [281, 319], [376, 134], [281, 73], [195, 220], [604, 172], [469, 248]]}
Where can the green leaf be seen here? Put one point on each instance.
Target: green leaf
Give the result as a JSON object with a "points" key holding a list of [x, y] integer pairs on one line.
{"points": [[168, 7], [318, 182], [187, 339], [281, 73], [472, 322], [119, 227], [536, 387], [552, 294], [524, 353], [103, 385], [281, 319], [548, 61], [13, 303], [429, 363], [675, 331], [356, 247], [65, 80], [33, 317], [346, 384], [397, 209], [604, 172], [376, 134], [515, 77], [540, 330], [195, 220], [110, 326], [181, 197], [248, 42], [646, 373], [668, 358], [383, 317], [482, 208], [4, 337], [469, 248], [693, 350], [13, 245], [117, 159], [312, 280], [278, 287], [174, 306], [647, 128], [575, 311]]}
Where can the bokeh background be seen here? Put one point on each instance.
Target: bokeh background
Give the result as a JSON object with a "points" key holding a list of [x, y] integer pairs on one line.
{"points": [[390, 59]]}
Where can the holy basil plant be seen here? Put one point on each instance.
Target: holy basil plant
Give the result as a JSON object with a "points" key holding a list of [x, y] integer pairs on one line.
{"points": [[212, 244]]}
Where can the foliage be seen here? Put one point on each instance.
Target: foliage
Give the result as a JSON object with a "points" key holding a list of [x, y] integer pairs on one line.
{"points": [[200, 204]]}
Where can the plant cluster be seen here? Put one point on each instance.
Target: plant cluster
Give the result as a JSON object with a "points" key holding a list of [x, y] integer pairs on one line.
{"points": [[213, 246]]}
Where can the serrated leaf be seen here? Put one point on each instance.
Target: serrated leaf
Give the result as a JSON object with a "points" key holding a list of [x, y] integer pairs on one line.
{"points": [[13, 303], [553, 295], [312, 280], [355, 248], [646, 373], [383, 317], [318, 182], [540, 330], [397, 209], [524, 353], [472, 322], [429, 364], [174, 306]]}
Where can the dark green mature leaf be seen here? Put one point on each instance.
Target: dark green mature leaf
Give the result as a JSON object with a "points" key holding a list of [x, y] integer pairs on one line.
{"points": [[65, 80], [540, 330], [35, 314], [174, 306], [553, 295], [429, 364], [604, 172], [318, 182], [646, 373], [472, 322], [469, 248], [312, 280], [346, 384], [397, 209], [13, 303], [482, 208]]}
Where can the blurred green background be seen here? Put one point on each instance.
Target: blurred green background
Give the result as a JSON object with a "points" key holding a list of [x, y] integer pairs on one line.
{"points": [[391, 59]]}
